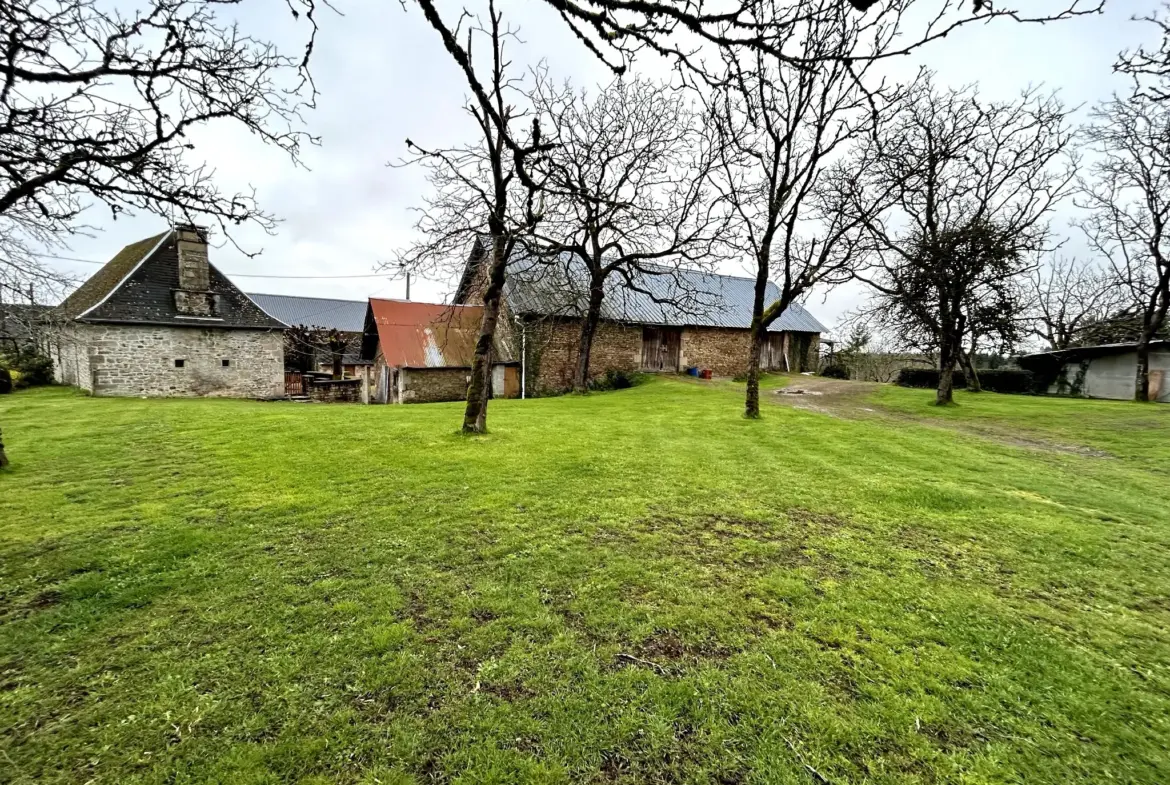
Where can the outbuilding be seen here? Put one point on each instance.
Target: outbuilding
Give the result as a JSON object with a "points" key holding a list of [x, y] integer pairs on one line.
{"points": [[1105, 371], [422, 352], [159, 320]]}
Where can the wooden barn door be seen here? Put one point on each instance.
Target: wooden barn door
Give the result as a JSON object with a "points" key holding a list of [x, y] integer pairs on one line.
{"points": [[660, 348], [775, 349]]}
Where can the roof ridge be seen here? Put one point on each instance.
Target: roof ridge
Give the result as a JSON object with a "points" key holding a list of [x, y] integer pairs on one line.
{"points": [[307, 297]]}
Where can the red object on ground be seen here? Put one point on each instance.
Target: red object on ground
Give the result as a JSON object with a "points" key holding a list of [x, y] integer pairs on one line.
{"points": [[705, 373]]}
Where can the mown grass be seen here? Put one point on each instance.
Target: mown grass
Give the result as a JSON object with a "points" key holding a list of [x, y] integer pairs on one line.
{"points": [[631, 587]]}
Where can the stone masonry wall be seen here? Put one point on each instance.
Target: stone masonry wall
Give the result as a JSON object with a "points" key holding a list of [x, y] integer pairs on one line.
{"points": [[723, 350], [552, 349], [139, 360], [71, 358], [431, 385]]}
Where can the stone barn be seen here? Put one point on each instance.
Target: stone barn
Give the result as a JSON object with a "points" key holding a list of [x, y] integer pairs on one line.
{"points": [[422, 352], [159, 320], [678, 320], [1106, 371]]}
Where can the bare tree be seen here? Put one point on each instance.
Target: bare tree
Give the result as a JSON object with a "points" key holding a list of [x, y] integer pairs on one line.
{"points": [[971, 185], [777, 130], [97, 107], [481, 186], [628, 198], [616, 30], [1067, 296], [1127, 194], [1150, 67]]}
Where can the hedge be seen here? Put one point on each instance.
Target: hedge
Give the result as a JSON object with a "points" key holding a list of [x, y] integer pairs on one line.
{"points": [[1005, 380], [835, 372], [926, 378], [1008, 380]]}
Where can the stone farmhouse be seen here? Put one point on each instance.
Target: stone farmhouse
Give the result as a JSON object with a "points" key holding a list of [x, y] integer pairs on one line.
{"points": [[159, 320], [681, 319], [422, 352], [346, 316]]}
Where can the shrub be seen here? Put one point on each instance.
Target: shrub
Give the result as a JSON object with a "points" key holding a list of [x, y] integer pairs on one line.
{"points": [[35, 370], [1004, 380], [5, 381], [615, 380], [1008, 380], [926, 378], [835, 372]]}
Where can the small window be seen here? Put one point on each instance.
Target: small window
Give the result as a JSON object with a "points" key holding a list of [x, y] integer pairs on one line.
{"points": [[180, 363], [226, 363]]}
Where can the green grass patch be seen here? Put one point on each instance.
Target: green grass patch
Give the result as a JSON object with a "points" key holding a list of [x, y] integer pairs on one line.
{"points": [[629, 587]]}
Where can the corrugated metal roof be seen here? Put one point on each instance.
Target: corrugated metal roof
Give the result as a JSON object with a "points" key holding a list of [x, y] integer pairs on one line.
{"points": [[426, 335], [344, 315], [674, 298], [1096, 350]]}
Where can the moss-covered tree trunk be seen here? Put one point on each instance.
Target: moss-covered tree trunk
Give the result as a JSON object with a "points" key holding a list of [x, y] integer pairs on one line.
{"points": [[588, 332], [480, 388], [946, 372], [751, 407], [968, 362]]}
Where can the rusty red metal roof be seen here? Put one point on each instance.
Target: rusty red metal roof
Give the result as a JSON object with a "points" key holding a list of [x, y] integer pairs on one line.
{"points": [[426, 335]]}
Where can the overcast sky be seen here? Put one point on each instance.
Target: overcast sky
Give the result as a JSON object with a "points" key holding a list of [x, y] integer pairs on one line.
{"points": [[383, 76]]}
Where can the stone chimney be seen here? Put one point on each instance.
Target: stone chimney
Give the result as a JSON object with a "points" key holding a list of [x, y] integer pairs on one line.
{"points": [[193, 297]]}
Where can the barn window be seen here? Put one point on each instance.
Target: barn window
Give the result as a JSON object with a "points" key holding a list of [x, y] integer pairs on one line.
{"points": [[180, 363], [226, 363]]}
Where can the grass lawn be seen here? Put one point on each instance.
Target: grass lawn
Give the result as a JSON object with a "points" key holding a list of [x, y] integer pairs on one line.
{"points": [[631, 587]]}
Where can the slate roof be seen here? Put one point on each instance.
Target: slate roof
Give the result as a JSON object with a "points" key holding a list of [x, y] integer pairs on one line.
{"points": [[422, 335], [345, 315], [101, 283], [671, 298], [137, 287]]}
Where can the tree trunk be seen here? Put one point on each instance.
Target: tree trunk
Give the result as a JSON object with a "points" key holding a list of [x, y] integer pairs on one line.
{"points": [[946, 372], [480, 388], [1142, 382], [337, 370], [3, 456], [968, 365], [751, 408], [752, 404], [588, 331]]}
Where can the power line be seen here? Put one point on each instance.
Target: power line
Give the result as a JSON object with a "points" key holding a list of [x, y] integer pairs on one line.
{"points": [[233, 275]]}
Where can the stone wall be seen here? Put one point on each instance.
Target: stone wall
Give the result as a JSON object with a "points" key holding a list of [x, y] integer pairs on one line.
{"points": [[723, 350], [431, 385], [143, 360], [552, 352], [71, 358], [335, 390]]}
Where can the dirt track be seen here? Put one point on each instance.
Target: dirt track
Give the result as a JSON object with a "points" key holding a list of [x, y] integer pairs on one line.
{"points": [[851, 400]]}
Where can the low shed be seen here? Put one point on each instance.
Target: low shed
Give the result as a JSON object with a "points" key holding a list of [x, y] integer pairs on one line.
{"points": [[1106, 371], [422, 352]]}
